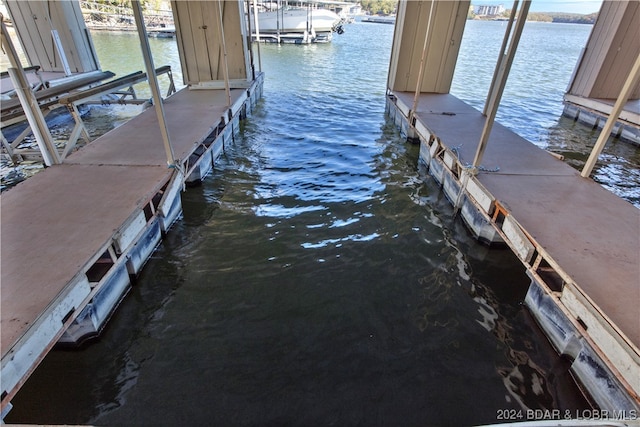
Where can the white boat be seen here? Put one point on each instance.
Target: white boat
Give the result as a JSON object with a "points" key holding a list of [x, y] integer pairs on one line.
{"points": [[380, 19], [162, 32], [297, 25]]}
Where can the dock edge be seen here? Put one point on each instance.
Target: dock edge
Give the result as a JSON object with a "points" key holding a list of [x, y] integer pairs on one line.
{"points": [[604, 361], [86, 303]]}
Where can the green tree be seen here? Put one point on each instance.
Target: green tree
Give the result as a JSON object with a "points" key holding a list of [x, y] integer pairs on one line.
{"points": [[379, 7]]}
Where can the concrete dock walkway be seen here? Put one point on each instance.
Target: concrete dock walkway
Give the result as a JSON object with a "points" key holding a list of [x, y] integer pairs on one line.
{"points": [[588, 237], [65, 227]]}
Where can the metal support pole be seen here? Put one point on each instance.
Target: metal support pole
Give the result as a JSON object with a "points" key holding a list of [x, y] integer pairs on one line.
{"points": [[501, 82], [225, 61], [501, 57], [278, 20], [255, 17], [628, 87], [423, 60], [29, 102], [255, 20], [153, 82]]}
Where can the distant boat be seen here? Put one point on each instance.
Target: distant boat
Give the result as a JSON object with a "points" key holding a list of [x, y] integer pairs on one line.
{"points": [[162, 32], [298, 25], [380, 19]]}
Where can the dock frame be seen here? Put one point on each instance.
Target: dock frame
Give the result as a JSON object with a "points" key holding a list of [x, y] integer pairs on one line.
{"points": [[113, 201], [583, 264]]}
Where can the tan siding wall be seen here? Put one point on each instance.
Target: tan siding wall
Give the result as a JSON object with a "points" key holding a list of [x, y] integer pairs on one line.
{"points": [[200, 44], [36, 19], [235, 39], [613, 45], [447, 26]]}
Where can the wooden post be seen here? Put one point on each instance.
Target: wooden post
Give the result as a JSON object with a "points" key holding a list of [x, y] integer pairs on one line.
{"points": [[627, 89]]}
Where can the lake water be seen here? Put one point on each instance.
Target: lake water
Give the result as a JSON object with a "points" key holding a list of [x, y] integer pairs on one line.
{"points": [[318, 277]]}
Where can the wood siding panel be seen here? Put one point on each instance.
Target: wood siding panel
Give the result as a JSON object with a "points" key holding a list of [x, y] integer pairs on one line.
{"points": [[211, 43], [72, 30], [447, 26], [200, 44], [437, 48], [624, 49], [178, 9], [398, 30], [454, 16], [612, 47], [404, 42], [31, 16], [36, 19], [235, 39], [598, 42]]}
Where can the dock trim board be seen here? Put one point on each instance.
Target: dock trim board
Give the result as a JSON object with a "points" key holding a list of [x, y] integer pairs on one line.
{"points": [[605, 341]]}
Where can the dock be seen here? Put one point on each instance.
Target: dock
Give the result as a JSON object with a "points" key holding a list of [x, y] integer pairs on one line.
{"points": [[594, 112], [75, 235], [579, 243]]}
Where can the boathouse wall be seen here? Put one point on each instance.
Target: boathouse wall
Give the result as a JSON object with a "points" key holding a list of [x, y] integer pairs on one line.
{"points": [[612, 48], [445, 23], [41, 26], [212, 41]]}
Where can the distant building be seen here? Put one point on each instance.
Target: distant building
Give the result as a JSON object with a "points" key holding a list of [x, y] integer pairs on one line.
{"points": [[488, 10]]}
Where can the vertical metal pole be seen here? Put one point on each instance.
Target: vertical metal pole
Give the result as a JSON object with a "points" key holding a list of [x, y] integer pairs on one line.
{"points": [[423, 60], [29, 102], [60, 49], [278, 19], [627, 89], [153, 81], [497, 95], [256, 19], [501, 57], [225, 64], [255, 16]]}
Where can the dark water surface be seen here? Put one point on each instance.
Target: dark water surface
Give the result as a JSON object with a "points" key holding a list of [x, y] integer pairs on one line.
{"points": [[316, 278]]}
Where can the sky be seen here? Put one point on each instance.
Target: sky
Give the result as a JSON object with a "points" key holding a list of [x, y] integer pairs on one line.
{"points": [[567, 6]]}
